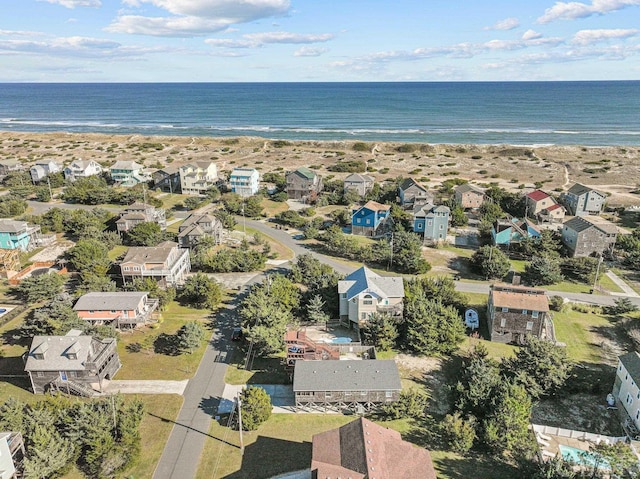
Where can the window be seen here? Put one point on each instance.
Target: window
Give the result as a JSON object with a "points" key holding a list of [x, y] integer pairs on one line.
{"points": [[72, 356], [419, 226], [503, 322], [368, 302], [73, 374], [363, 316], [441, 227], [430, 222], [629, 398], [505, 310], [388, 394], [529, 325], [524, 311], [113, 311], [327, 395], [534, 314], [363, 393], [343, 295], [637, 414], [40, 374]]}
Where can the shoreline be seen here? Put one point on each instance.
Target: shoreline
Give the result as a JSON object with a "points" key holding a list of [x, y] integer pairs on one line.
{"points": [[615, 169]]}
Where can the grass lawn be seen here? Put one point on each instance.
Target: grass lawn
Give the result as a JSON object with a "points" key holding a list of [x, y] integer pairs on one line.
{"points": [[272, 208], [170, 200], [578, 330], [450, 465], [174, 227], [149, 364], [263, 370], [117, 251], [277, 248]]}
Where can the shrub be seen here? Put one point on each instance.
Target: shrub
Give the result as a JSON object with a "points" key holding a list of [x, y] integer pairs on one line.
{"points": [[458, 433], [556, 303]]}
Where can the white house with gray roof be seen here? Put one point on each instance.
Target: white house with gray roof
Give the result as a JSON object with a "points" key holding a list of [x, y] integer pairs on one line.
{"points": [[244, 181], [358, 182], [364, 292], [81, 169], [166, 263], [582, 200], [626, 388], [72, 363]]}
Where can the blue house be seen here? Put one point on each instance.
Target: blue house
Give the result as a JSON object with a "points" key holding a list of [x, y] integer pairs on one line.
{"points": [[506, 231], [372, 219], [18, 235], [244, 181], [431, 221]]}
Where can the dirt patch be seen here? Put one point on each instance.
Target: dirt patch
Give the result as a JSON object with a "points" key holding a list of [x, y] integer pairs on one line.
{"points": [[52, 253], [430, 372]]}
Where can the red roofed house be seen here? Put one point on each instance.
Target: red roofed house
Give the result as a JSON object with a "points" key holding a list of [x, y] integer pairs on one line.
{"points": [[514, 312], [552, 214], [544, 207], [365, 450]]}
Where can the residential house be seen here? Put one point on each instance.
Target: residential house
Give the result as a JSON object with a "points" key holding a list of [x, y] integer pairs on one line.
{"points": [[372, 219], [74, 363], [196, 226], [244, 181], [469, 196], [138, 213], [42, 169], [363, 449], [360, 183], [552, 214], [82, 169], [12, 454], [18, 235], [364, 292], [166, 263], [507, 231], [167, 179], [342, 385], [128, 173], [581, 200], [303, 184], [118, 309], [536, 201], [411, 192], [589, 235], [10, 166], [432, 222], [514, 312], [197, 177], [626, 390]]}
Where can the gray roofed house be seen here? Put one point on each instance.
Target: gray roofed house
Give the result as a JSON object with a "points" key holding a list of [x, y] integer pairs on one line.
{"points": [[167, 179], [118, 308], [468, 195], [432, 222], [82, 169], [198, 225], [582, 200], [411, 192], [588, 235], [74, 363], [360, 183], [626, 390], [128, 173], [110, 300], [344, 384], [166, 263], [42, 169], [364, 292], [139, 212], [9, 166]]}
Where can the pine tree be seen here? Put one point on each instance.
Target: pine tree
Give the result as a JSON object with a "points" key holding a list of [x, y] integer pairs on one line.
{"points": [[189, 336], [316, 310], [256, 407]]}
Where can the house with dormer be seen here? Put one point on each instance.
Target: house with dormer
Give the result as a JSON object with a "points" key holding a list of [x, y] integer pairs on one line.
{"points": [[362, 184], [303, 184], [582, 200], [431, 222], [197, 226], [410, 192], [198, 177], [138, 213], [81, 169], [364, 292], [76, 363], [371, 219], [166, 263]]}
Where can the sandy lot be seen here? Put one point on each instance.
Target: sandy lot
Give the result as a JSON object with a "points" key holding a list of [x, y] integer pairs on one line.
{"points": [[614, 169]]}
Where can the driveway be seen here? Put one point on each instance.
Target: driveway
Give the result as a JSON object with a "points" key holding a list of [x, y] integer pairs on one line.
{"points": [[145, 387]]}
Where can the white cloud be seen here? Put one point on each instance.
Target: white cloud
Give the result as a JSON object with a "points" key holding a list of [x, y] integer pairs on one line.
{"points": [[310, 51], [531, 35], [75, 3], [506, 24], [85, 47], [575, 10], [256, 40], [586, 37], [229, 43], [165, 26]]}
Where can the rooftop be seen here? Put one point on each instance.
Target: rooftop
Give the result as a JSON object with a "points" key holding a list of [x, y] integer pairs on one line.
{"points": [[538, 195], [118, 301], [519, 297], [581, 223], [369, 375], [363, 279]]}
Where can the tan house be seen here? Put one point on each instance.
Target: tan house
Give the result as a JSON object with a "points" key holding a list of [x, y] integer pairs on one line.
{"points": [[73, 363], [363, 449], [119, 309], [364, 292], [358, 182], [138, 213], [410, 193], [515, 312], [166, 263], [589, 235], [197, 177], [538, 200], [196, 226], [469, 196]]}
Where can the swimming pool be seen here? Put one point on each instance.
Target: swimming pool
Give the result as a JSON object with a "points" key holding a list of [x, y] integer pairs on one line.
{"points": [[583, 457], [343, 340]]}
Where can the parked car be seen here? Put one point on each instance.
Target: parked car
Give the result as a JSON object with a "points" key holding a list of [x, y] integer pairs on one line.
{"points": [[236, 334]]}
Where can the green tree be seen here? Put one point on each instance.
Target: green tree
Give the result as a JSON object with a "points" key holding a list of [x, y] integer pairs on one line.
{"points": [[407, 253], [164, 296], [89, 257], [201, 292], [316, 310], [478, 380], [458, 216], [582, 269], [621, 306], [43, 194], [381, 331], [256, 407], [226, 218], [441, 288], [145, 234], [540, 367], [56, 317], [458, 433], [37, 288], [48, 453], [490, 212], [491, 262], [412, 403], [189, 336], [431, 327], [542, 270]]}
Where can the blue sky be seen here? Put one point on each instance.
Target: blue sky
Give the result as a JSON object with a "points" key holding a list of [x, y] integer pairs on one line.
{"points": [[315, 40]]}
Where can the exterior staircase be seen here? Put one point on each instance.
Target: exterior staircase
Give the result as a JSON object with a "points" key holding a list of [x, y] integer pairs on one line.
{"points": [[73, 387]]}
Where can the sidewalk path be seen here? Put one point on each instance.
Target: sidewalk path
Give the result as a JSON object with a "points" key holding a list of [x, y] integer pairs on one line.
{"points": [[628, 291], [146, 387]]}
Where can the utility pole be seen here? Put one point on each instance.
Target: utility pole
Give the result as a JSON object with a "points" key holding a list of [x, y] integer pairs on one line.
{"points": [[595, 280], [244, 221], [391, 253], [240, 425], [50, 192]]}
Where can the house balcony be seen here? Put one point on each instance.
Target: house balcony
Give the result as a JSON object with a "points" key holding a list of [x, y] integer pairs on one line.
{"points": [[393, 309]]}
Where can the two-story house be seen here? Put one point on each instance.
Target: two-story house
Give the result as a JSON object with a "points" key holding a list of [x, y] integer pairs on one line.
{"points": [[364, 292], [128, 173], [118, 308], [507, 231], [358, 182], [536, 201], [303, 184], [10, 166], [137, 213], [18, 235], [589, 235], [166, 263], [167, 179], [197, 177], [81, 169], [197, 226], [514, 312], [581, 200], [469, 196], [411, 192], [626, 388], [244, 181], [41, 169], [74, 363], [432, 222], [371, 219]]}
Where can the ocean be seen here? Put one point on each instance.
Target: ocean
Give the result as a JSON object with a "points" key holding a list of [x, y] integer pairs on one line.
{"points": [[519, 113]]}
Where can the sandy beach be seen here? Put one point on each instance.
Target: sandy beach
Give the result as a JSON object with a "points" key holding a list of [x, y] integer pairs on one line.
{"points": [[613, 169]]}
